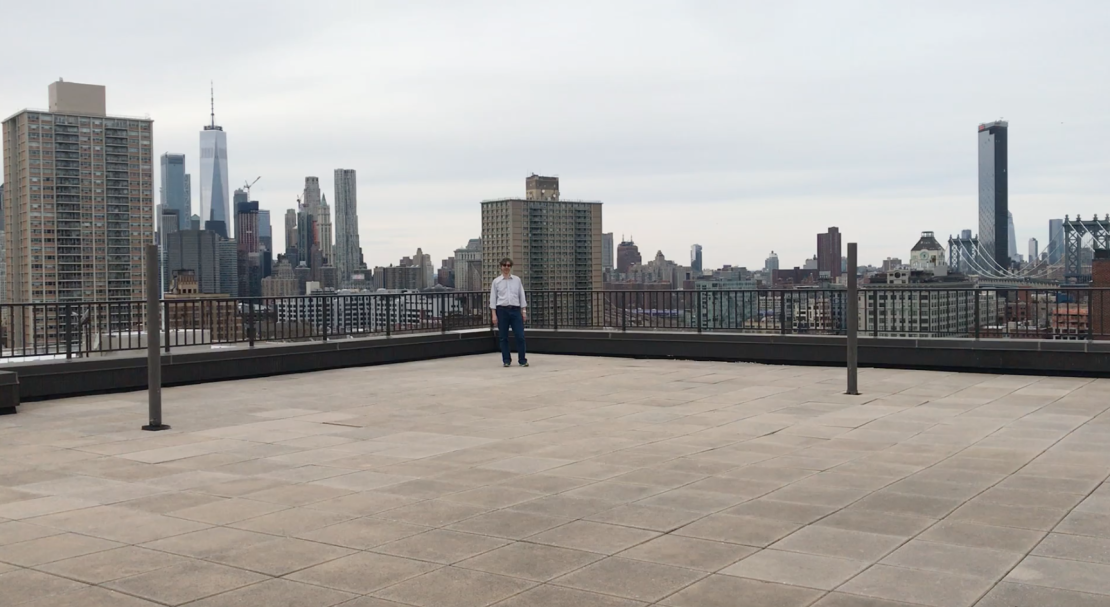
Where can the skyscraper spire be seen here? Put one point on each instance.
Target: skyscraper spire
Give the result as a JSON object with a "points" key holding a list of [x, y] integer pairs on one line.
{"points": [[212, 92]]}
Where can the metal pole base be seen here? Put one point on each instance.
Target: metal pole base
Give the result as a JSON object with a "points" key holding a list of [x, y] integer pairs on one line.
{"points": [[156, 427], [852, 393]]}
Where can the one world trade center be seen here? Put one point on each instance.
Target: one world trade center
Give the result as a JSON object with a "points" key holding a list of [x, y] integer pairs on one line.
{"points": [[214, 186]]}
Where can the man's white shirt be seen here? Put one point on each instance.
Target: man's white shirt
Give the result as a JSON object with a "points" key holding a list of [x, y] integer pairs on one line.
{"points": [[507, 292]]}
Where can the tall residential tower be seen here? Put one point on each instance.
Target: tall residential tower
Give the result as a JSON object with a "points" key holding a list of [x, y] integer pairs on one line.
{"points": [[554, 244], [79, 203], [994, 195], [348, 253]]}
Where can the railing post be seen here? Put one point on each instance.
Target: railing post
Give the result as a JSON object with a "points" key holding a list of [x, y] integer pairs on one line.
{"points": [[853, 320], [782, 312], [976, 294], [153, 329], [1090, 316], [624, 311], [874, 312], [555, 295], [69, 332], [388, 315], [250, 324], [697, 306], [324, 314], [166, 322]]}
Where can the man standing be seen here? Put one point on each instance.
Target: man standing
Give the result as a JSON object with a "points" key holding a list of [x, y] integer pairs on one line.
{"points": [[509, 309]]}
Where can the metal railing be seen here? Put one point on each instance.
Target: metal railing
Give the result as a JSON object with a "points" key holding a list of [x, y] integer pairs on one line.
{"points": [[78, 329]]}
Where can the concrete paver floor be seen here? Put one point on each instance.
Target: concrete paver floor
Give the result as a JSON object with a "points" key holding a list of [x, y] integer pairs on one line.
{"points": [[578, 481]]}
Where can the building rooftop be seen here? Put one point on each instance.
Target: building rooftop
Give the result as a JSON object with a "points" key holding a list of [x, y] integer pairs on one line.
{"points": [[578, 481]]}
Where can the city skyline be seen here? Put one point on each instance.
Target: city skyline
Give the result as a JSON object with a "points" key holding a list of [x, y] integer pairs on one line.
{"points": [[783, 143]]}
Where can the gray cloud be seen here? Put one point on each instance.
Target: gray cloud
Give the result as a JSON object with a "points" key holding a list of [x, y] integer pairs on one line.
{"points": [[744, 126]]}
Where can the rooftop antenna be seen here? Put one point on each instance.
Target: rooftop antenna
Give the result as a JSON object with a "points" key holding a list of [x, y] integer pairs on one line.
{"points": [[212, 91]]}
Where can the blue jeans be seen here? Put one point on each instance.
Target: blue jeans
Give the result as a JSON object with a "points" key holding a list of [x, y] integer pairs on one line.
{"points": [[509, 316]]}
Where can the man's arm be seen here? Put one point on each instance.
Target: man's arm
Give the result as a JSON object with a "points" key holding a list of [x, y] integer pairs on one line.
{"points": [[523, 301], [493, 300]]}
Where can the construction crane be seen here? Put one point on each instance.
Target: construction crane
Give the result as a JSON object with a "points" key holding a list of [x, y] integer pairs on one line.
{"points": [[248, 186]]}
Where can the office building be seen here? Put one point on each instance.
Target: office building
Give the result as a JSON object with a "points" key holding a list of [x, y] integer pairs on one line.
{"points": [[1034, 250], [695, 258], [316, 204], [628, 254], [324, 238], [348, 251], [306, 236], [79, 203], [828, 254], [1011, 237], [170, 220], [229, 267], [311, 198], [282, 283], [215, 188], [1055, 241], [965, 234], [175, 188], [265, 231], [607, 252], [196, 252], [423, 261], [916, 303], [290, 230], [994, 210], [406, 278], [468, 266], [554, 244], [771, 263], [248, 249]]}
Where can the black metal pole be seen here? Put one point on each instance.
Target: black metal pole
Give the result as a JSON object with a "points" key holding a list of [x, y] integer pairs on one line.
{"points": [[853, 320], [153, 332]]}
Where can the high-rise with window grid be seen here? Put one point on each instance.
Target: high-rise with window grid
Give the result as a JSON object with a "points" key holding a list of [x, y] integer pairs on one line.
{"points": [[555, 244], [79, 201]]}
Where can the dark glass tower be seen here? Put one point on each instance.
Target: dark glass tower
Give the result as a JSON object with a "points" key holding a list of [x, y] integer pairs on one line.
{"points": [[994, 194]]}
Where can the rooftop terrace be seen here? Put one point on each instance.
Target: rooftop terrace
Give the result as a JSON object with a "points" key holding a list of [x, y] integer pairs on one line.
{"points": [[579, 481]]}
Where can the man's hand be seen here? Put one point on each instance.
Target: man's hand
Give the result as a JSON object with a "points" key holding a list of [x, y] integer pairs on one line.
{"points": [[493, 315], [523, 315]]}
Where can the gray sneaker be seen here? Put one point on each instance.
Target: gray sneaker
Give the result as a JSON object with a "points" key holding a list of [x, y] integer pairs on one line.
{"points": [[524, 364], [508, 365]]}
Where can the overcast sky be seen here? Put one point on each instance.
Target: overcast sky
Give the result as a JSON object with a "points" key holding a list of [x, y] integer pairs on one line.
{"points": [[742, 126]]}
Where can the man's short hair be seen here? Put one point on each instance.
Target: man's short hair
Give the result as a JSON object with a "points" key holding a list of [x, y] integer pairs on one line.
{"points": [[507, 261]]}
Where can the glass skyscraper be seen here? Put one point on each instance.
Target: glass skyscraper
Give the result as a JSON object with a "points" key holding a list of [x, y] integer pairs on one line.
{"points": [[175, 190], [1055, 241], [993, 195], [215, 190]]}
